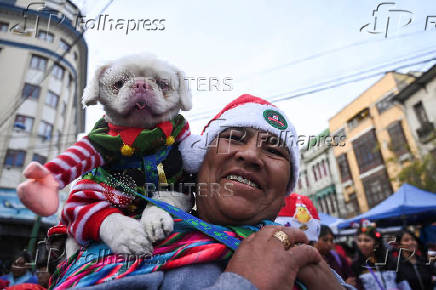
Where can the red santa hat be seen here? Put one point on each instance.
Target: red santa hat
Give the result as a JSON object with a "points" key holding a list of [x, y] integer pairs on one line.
{"points": [[245, 111], [300, 213]]}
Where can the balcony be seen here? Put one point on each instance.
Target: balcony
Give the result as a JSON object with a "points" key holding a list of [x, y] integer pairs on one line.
{"points": [[426, 132]]}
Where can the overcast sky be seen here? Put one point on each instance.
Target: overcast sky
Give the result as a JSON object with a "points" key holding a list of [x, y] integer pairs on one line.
{"points": [[270, 48]]}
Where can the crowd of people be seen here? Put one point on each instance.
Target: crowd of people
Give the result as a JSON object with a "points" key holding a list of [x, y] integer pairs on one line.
{"points": [[371, 263], [377, 262], [247, 250]]}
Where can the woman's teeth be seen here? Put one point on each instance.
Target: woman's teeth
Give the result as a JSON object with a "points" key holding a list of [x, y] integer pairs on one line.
{"points": [[243, 180]]}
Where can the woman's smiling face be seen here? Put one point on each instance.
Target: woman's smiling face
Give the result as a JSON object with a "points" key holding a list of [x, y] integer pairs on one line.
{"points": [[244, 177]]}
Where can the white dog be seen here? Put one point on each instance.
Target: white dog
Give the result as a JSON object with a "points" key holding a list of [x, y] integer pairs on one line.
{"points": [[141, 97]]}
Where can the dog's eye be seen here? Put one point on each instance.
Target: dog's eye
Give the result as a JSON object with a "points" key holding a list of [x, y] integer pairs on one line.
{"points": [[163, 84], [118, 85]]}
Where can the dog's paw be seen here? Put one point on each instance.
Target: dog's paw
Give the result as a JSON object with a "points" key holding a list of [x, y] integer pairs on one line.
{"points": [[125, 235], [158, 224]]}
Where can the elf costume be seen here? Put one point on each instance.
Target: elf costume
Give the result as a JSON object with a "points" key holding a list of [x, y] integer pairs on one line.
{"points": [[142, 158]]}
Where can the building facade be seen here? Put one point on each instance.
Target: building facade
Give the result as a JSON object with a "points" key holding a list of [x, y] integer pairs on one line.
{"points": [[43, 68], [319, 177], [378, 141], [419, 100]]}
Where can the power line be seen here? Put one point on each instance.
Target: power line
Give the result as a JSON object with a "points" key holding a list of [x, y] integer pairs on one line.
{"points": [[326, 52], [277, 98], [378, 67], [419, 53]]}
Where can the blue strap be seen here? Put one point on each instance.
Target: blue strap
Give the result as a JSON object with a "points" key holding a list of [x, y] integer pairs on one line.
{"points": [[211, 230]]}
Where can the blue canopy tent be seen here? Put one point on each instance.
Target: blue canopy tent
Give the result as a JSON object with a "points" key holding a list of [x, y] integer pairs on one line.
{"points": [[327, 219], [409, 205]]}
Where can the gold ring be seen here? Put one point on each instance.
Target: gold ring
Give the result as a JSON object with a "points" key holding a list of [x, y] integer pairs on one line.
{"points": [[283, 238]]}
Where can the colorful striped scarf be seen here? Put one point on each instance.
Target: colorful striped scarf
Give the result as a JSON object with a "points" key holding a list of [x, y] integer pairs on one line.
{"points": [[185, 246]]}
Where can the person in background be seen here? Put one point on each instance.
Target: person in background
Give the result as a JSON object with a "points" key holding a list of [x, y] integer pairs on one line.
{"points": [[337, 262], [347, 251], [43, 275], [20, 271], [412, 262], [374, 268]]}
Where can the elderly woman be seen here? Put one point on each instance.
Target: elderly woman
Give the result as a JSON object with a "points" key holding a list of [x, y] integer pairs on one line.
{"points": [[248, 165]]}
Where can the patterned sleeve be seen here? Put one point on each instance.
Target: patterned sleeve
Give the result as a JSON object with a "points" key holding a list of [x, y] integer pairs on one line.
{"points": [[76, 160], [85, 209]]}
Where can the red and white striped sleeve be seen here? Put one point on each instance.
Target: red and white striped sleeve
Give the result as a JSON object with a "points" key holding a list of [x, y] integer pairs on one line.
{"points": [[85, 209], [76, 160]]}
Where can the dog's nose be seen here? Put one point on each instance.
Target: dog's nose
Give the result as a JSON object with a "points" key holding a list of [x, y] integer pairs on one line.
{"points": [[141, 86]]}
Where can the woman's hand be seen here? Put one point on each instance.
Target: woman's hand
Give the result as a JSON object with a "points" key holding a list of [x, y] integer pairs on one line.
{"points": [[262, 259], [318, 276]]}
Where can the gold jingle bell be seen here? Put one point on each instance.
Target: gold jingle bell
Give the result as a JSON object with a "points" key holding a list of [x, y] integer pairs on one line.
{"points": [[127, 150], [170, 140]]}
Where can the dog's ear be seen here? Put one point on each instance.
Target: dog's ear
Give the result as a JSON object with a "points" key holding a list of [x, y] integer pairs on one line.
{"points": [[184, 92], [91, 94]]}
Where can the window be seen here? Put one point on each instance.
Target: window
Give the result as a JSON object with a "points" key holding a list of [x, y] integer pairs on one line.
{"points": [[385, 104], [38, 62], [367, 152], [332, 202], [323, 168], [15, 158], [45, 35], [45, 130], [299, 183], [358, 118], [64, 45], [314, 173], [23, 123], [318, 166], [30, 92], [377, 187], [64, 108], [52, 99], [70, 80], [398, 140], [4, 26], [58, 71], [307, 179], [325, 204], [344, 169], [354, 204], [39, 158], [420, 113]]}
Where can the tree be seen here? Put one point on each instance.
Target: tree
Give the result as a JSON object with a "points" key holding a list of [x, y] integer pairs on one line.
{"points": [[420, 173]]}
